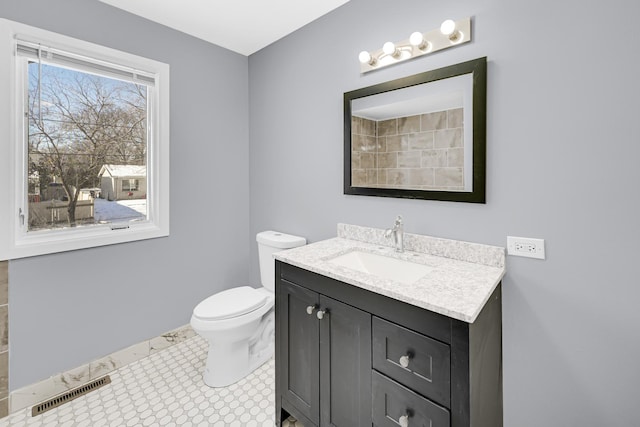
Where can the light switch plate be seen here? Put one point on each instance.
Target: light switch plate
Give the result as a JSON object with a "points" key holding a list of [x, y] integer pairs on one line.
{"points": [[526, 247]]}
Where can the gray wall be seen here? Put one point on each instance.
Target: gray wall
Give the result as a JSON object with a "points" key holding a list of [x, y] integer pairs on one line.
{"points": [[563, 151], [70, 308]]}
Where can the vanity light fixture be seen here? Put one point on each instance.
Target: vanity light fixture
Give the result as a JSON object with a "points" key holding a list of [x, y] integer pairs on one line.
{"points": [[451, 33]]}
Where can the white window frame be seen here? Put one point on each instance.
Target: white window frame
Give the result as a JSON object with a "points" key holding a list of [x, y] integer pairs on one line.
{"points": [[15, 241]]}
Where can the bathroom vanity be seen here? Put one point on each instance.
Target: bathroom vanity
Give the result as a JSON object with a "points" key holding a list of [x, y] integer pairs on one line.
{"points": [[356, 348]]}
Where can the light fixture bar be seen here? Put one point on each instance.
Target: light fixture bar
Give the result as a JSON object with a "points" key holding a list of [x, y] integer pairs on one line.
{"points": [[451, 33]]}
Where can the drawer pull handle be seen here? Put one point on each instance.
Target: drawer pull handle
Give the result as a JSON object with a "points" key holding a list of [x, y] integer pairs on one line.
{"points": [[404, 421], [404, 361], [320, 314], [311, 308]]}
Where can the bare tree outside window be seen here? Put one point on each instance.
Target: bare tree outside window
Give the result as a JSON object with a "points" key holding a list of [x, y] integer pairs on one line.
{"points": [[78, 123]]}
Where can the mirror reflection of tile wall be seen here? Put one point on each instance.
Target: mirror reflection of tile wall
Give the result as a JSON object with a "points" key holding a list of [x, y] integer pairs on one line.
{"points": [[4, 338], [421, 152]]}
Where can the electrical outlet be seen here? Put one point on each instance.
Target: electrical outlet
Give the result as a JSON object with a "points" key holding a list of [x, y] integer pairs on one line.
{"points": [[525, 246]]}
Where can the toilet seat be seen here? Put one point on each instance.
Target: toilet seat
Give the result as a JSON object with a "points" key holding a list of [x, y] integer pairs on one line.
{"points": [[230, 303]]}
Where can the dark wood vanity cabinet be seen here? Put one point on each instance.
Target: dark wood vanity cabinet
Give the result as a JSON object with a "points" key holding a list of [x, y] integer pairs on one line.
{"points": [[348, 357]]}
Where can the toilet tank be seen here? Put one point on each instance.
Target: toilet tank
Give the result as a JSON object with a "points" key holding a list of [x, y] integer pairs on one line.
{"points": [[270, 242]]}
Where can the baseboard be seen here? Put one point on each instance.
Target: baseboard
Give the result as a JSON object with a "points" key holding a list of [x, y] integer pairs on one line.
{"points": [[60, 383]]}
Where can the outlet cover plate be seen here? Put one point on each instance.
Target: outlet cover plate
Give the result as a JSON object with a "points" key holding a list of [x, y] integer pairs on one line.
{"points": [[526, 247]]}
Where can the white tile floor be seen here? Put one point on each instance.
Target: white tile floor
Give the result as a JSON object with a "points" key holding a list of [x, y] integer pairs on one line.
{"points": [[166, 389]]}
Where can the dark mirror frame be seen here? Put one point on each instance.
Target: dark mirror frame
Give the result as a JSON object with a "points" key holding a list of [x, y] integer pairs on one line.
{"points": [[477, 67]]}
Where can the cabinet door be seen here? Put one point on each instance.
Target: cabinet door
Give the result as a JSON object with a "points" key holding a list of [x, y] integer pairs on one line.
{"points": [[299, 350], [345, 365]]}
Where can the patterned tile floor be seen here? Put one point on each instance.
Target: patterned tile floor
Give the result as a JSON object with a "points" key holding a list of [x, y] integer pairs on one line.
{"points": [[166, 389]]}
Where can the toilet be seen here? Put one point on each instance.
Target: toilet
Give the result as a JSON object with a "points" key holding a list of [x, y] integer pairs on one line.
{"points": [[239, 323]]}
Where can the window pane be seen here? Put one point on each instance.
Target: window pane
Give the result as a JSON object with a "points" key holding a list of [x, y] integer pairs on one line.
{"points": [[87, 149], [130, 184]]}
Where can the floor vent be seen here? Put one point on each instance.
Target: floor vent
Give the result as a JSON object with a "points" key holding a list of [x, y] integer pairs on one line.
{"points": [[68, 396]]}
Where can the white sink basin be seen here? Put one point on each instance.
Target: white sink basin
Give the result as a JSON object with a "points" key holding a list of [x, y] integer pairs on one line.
{"points": [[383, 266]]}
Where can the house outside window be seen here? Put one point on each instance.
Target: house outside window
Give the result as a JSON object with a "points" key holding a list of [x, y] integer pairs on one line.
{"points": [[117, 181]]}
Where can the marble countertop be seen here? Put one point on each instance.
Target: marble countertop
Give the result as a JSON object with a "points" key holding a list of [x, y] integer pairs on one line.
{"points": [[463, 275]]}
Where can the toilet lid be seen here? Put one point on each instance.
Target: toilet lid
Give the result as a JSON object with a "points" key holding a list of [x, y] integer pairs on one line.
{"points": [[231, 303]]}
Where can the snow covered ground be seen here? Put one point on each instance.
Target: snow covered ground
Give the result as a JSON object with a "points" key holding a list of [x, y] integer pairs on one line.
{"points": [[121, 210]]}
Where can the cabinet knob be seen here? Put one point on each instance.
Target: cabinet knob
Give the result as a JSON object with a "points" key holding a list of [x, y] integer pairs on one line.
{"points": [[311, 308], [404, 361], [404, 421], [320, 314]]}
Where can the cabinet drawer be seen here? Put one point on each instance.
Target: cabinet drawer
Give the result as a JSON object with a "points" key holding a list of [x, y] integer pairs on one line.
{"points": [[391, 401], [427, 361]]}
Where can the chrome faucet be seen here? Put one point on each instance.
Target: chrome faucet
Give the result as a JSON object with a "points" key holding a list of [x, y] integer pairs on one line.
{"points": [[398, 234]]}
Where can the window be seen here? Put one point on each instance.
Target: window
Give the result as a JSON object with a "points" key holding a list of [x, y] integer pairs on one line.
{"points": [[130, 185], [88, 146], [82, 127]]}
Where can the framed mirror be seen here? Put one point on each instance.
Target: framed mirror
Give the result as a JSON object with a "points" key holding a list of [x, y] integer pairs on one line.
{"points": [[419, 137]]}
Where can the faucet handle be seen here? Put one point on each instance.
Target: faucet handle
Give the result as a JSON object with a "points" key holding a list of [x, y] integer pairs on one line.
{"points": [[399, 220]]}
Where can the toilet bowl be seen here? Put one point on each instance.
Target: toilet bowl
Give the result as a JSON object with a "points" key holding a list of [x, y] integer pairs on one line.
{"points": [[239, 323]]}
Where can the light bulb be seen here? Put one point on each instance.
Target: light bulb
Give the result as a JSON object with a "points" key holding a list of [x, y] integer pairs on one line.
{"points": [[365, 57], [389, 48], [416, 39], [448, 27]]}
